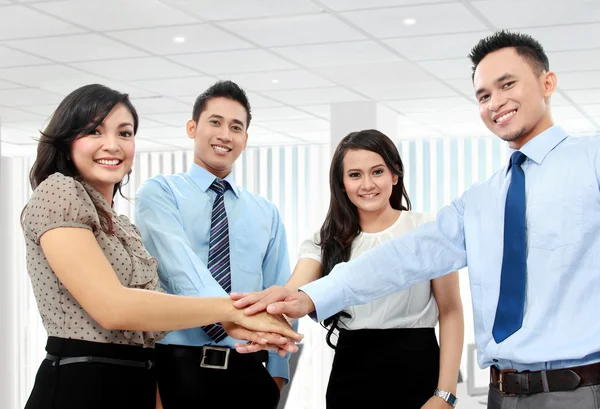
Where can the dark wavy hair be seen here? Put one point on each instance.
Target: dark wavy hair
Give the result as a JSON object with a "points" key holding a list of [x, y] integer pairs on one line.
{"points": [[79, 113], [341, 225]]}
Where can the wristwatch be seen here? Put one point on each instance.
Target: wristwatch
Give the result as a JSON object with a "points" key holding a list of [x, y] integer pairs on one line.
{"points": [[447, 396]]}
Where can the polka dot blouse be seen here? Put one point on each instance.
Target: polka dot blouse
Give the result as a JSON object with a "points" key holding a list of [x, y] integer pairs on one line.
{"points": [[62, 201]]}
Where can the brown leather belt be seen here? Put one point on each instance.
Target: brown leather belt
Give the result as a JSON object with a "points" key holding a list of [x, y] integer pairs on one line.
{"points": [[510, 382]]}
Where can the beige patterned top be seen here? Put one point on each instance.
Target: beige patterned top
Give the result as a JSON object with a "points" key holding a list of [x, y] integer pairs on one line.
{"points": [[62, 201]]}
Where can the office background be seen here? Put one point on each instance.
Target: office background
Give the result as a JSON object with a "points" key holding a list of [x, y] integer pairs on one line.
{"points": [[313, 70]]}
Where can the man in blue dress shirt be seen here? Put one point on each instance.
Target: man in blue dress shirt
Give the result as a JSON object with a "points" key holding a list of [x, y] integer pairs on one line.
{"points": [[211, 237], [529, 236]]}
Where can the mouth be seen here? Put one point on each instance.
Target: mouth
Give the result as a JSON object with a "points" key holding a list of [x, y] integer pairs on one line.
{"points": [[221, 148], [504, 117], [368, 196], [109, 162]]}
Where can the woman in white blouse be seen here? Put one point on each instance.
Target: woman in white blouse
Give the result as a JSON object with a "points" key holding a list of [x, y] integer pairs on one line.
{"points": [[394, 334]]}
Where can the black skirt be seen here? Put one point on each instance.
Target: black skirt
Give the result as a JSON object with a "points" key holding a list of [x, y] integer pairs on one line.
{"points": [[94, 385], [375, 368]]}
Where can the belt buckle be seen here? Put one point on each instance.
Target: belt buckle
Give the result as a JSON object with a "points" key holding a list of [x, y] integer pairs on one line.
{"points": [[211, 348], [501, 381]]}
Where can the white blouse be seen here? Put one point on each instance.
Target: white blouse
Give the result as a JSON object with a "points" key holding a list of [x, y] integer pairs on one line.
{"points": [[414, 307]]}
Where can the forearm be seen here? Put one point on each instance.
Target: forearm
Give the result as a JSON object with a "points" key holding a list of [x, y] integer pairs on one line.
{"points": [[142, 310], [451, 346], [306, 271]]}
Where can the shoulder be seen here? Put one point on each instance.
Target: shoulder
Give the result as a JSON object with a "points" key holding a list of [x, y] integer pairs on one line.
{"points": [[58, 189], [161, 184], [419, 218], [260, 202]]}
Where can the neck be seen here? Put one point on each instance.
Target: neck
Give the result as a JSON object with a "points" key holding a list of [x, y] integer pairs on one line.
{"points": [[106, 191], [379, 220], [221, 174]]}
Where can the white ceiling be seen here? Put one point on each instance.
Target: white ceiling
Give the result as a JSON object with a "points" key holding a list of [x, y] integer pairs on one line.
{"points": [[294, 57]]}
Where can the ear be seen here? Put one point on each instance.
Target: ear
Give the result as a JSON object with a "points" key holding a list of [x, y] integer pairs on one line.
{"points": [[190, 128], [245, 142], [549, 83], [395, 180]]}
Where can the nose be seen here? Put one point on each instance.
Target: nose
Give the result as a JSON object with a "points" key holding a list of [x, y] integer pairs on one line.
{"points": [[111, 143], [368, 183], [225, 136], [496, 102]]}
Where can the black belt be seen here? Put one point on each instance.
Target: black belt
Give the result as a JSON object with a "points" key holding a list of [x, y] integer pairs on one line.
{"points": [[60, 361], [215, 357], [511, 382]]}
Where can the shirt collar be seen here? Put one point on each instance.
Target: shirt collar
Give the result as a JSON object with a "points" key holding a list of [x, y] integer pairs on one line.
{"points": [[203, 178], [540, 146]]}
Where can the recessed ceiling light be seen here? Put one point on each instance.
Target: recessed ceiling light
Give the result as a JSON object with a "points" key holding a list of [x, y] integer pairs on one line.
{"points": [[409, 21], [275, 81], [179, 39]]}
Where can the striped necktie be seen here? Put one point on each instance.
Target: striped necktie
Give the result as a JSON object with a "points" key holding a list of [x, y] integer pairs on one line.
{"points": [[218, 251]]}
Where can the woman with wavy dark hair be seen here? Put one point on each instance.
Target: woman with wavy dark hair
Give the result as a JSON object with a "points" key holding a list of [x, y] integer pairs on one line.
{"points": [[395, 334], [95, 285]]}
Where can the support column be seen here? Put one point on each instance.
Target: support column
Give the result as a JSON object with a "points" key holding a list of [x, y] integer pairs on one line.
{"points": [[349, 117]]}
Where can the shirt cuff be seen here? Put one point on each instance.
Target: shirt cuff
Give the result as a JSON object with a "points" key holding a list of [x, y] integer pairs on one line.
{"points": [[279, 367], [327, 297]]}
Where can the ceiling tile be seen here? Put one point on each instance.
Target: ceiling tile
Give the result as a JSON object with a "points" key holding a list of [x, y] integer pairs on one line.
{"points": [[578, 80], [144, 145], [197, 38], [582, 97], [278, 114], [277, 80], [171, 119], [387, 74], [159, 105], [434, 105], [448, 69], [82, 47], [297, 125], [18, 136], [27, 96], [315, 96], [47, 75], [9, 149], [407, 90], [323, 111], [362, 4], [464, 86], [37, 24], [8, 115], [14, 58], [256, 100], [463, 129], [175, 133], [445, 117], [322, 55], [136, 69], [176, 87], [241, 9], [592, 110], [41, 110], [270, 139], [447, 46], [565, 61], [228, 62], [561, 114], [417, 132], [102, 15], [564, 38], [573, 126], [532, 13], [283, 31], [9, 85], [430, 19], [559, 100]]}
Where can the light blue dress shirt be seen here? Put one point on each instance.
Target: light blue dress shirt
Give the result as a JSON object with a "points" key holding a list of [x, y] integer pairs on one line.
{"points": [[173, 214], [561, 326]]}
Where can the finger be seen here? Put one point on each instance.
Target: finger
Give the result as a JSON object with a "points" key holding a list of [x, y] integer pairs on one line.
{"points": [[289, 308], [261, 305], [274, 338], [250, 298], [243, 333], [247, 348], [285, 330], [237, 296]]}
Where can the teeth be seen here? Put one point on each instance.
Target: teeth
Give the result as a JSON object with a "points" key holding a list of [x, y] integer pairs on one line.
{"points": [[108, 162], [505, 116], [220, 148], [369, 196]]}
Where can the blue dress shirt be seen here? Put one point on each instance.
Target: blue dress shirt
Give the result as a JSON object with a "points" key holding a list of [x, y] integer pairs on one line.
{"points": [[561, 327], [173, 214]]}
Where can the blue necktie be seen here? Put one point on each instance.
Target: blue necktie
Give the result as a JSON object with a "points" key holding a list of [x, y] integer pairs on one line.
{"points": [[511, 303], [218, 251]]}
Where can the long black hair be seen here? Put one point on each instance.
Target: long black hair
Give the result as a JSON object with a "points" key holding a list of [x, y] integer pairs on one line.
{"points": [[79, 113], [341, 225]]}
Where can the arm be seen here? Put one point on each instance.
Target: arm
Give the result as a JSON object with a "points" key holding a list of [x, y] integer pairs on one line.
{"points": [[276, 271], [427, 252], [447, 295], [159, 221], [77, 260], [306, 271]]}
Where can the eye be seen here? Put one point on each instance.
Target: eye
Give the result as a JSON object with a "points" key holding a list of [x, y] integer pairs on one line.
{"points": [[483, 97], [354, 175], [236, 128], [94, 132], [214, 122], [126, 134], [378, 172], [508, 85]]}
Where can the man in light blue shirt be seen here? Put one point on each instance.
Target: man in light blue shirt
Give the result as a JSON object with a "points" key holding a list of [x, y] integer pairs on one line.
{"points": [[535, 310], [211, 237]]}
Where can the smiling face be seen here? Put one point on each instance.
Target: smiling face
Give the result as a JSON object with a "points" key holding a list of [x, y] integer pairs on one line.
{"points": [[514, 101], [367, 181], [105, 155], [219, 135]]}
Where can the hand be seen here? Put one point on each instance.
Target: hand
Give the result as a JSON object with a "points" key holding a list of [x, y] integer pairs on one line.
{"points": [[435, 402], [258, 340], [275, 300], [265, 323]]}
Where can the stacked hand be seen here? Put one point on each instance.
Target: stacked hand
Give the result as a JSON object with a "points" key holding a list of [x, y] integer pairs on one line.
{"points": [[276, 301]]}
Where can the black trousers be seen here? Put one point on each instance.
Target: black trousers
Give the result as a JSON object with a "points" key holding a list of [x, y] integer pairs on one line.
{"points": [[372, 368], [93, 385], [183, 383]]}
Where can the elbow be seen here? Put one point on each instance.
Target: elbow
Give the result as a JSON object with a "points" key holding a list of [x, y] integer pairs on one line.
{"points": [[109, 315]]}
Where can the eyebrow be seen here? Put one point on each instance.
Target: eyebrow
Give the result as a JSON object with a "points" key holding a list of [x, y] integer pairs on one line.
{"points": [[500, 79], [373, 167], [235, 121], [125, 124]]}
